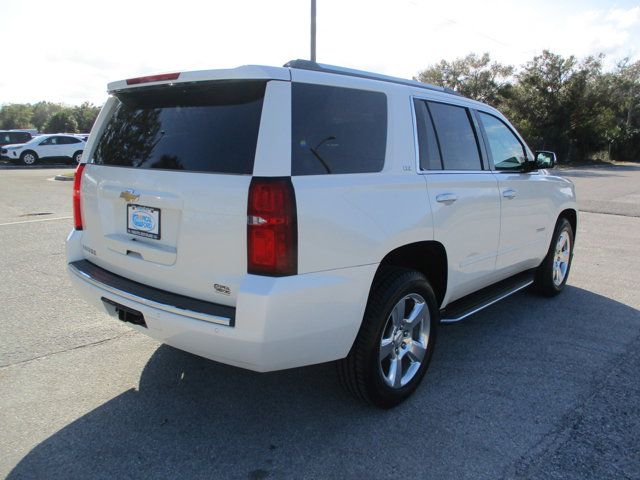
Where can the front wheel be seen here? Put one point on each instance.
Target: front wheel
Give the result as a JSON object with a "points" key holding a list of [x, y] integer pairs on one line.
{"points": [[29, 158], [393, 348], [553, 272]]}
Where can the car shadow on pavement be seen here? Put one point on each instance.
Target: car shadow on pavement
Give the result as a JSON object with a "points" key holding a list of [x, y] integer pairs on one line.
{"points": [[5, 165], [498, 383]]}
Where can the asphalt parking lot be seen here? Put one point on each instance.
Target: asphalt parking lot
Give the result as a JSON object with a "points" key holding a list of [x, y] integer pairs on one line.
{"points": [[528, 388]]}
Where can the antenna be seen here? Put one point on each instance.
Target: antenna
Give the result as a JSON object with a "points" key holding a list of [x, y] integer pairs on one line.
{"points": [[313, 30]]}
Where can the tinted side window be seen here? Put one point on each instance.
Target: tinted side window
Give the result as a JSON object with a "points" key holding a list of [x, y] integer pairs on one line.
{"points": [[18, 137], [427, 140], [506, 150], [337, 130], [456, 136], [48, 141]]}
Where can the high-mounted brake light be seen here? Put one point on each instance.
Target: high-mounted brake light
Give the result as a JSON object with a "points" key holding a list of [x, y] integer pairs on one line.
{"points": [[153, 78], [77, 182], [272, 227]]}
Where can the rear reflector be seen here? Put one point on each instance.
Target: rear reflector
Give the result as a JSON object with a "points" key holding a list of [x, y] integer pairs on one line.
{"points": [[153, 78], [272, 230], [77, 182]]}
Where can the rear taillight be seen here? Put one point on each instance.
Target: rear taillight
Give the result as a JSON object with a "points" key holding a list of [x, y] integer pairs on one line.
{"points": [[77, 181], [272, 230]]}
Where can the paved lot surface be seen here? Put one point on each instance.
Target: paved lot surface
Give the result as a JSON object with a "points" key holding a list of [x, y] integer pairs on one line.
{"points": [[529, 388]]}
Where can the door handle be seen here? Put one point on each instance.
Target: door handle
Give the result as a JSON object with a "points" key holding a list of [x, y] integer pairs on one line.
{"points": [[446, 198], [509, 193]]}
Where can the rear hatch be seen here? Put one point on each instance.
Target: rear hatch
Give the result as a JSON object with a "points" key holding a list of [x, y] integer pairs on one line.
{"points": [[164, 193]]}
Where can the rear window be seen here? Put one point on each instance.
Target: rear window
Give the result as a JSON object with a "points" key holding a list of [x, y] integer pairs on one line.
{"points": [[337, 130], [205, 127]]}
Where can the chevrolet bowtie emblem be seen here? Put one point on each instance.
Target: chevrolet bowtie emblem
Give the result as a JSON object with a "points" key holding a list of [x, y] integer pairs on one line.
{"points": [[129, 195]]}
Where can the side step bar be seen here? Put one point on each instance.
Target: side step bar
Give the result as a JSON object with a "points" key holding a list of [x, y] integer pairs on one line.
{"points": [[473, 303]]}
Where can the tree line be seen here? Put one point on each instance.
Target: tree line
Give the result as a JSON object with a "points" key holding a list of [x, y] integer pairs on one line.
{"points": [[49, 117], [565, 104]]}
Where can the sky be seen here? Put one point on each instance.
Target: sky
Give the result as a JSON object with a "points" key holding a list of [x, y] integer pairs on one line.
{"points": [[67, 51]]}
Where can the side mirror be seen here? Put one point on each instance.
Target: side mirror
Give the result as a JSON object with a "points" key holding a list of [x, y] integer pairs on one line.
{"points": [[545, 159]]}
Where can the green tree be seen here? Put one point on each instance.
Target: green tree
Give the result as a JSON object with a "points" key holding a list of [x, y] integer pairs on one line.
{"points": [[16, 115], [42, 112], [622, 88], [473, 76], [558, 104], [63, 121], [85, 116]]}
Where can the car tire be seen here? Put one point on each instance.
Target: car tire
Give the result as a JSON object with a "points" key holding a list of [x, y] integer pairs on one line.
{"points": [[29, 157], [397, 334], [553, 272], [77, 157]]}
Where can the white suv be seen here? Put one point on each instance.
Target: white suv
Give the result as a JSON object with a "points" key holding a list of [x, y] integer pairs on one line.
{"points": [[272, 218], [45, 147]]}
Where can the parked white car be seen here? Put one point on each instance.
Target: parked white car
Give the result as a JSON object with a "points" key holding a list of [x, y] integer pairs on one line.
{"points": [[45, 147], [271, 218]]}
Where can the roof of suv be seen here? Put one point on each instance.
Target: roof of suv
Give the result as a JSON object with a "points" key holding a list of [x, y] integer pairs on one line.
{"points": [[266, 72], [320, 67]]}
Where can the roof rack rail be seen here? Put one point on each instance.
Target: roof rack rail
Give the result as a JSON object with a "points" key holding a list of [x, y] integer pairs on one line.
{"points": [[321, 67]]}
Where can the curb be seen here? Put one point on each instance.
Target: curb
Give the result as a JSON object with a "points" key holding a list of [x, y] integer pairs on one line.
{"points": [[63, 178]]}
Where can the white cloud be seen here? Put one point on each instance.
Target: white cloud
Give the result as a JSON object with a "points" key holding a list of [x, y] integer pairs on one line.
{"points": [[73, 48]]}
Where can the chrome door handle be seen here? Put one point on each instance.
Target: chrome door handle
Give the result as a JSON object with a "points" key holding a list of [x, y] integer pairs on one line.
{"points": [[446, 198], [509, 193]]}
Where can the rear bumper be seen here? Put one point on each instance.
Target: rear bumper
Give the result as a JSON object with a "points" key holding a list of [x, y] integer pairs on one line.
{"points": [[279, 323]]}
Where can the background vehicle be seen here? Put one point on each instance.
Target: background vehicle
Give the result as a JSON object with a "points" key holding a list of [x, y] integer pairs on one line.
{"points": [[45, 147], [271, 218], [8, 137]]}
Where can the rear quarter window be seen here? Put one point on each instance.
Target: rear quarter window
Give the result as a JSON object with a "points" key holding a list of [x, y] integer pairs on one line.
{"points": [[204, 127], [337, 130]]}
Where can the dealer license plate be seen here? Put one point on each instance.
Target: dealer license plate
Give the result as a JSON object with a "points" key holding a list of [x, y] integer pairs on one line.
{"points": [[143, 221]]}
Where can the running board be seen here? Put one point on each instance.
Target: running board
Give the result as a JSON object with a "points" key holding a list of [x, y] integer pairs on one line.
{"points": [[465, 306]]}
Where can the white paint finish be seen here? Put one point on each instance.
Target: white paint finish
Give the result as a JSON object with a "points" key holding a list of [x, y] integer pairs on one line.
{"points": [[346, 225], [43, 150], [273, 150], [203, 228], [527, 220], [356, 219], [245, 72], [469, 228], [280, 322]]}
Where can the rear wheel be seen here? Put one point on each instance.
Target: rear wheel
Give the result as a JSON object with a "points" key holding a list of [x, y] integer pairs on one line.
{"points": [[394, 345], [553, 272], [29, 158], [77, 156]]}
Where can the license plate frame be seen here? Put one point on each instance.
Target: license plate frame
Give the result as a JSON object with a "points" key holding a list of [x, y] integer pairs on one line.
{"points": [[148, 220]]}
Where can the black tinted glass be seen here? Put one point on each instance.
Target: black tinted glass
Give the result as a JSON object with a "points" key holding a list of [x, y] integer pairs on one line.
{"points": [[211, 127], [456, 136], [337, 130], [427, 141], [19, 137]]}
